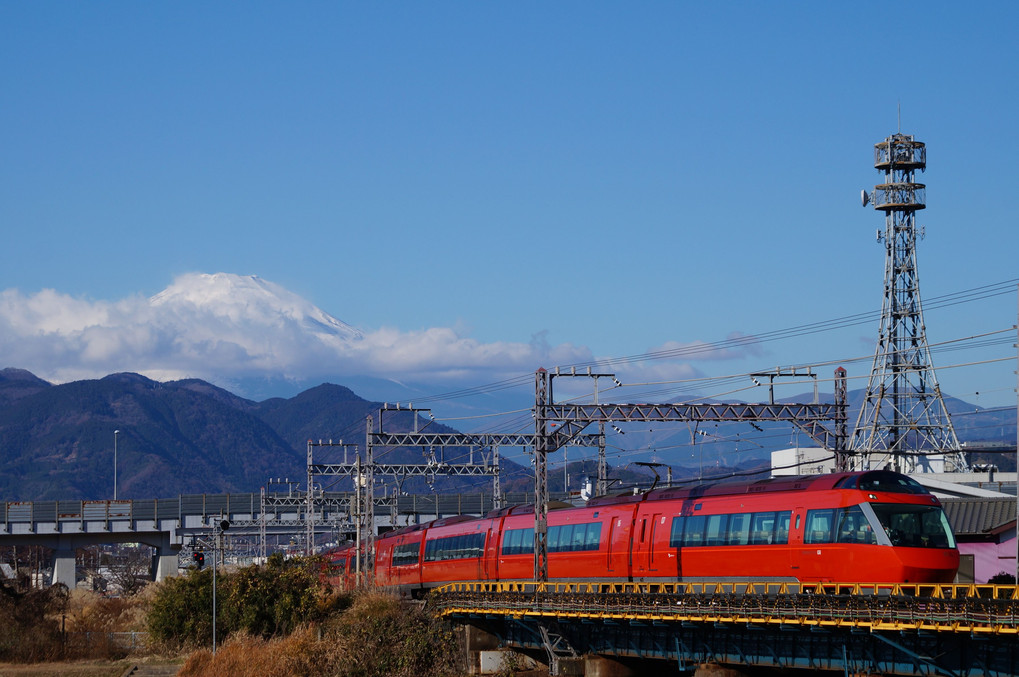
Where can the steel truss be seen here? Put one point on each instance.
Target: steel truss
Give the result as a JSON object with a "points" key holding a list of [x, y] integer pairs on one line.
{"points": [[571, 419], [363, 469], [903, 420], [900, 629]]}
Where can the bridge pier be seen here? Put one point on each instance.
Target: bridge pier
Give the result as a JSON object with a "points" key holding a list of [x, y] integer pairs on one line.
{"points": [[602, 666], [164, 559], [64, 567], [487, 656], [716, 670], [164, 565]]}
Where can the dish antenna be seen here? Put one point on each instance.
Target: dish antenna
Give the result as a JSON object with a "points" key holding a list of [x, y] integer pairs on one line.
{"points": [[864, 198]]}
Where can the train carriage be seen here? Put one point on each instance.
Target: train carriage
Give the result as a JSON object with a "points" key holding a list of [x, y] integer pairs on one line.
{"points": [[876, 527], [871, 527], [593, 540], [398, 558], [454, 550]]}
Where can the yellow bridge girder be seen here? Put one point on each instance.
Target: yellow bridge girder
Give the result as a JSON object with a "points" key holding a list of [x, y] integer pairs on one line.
{"points": [[977, 609]]}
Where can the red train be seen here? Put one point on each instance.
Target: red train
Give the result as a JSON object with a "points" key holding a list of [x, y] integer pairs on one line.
{"points": [[875, 526]]}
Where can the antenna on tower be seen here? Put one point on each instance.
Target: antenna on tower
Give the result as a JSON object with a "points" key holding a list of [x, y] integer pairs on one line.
{"points": [[899, 105], [903, 422]]}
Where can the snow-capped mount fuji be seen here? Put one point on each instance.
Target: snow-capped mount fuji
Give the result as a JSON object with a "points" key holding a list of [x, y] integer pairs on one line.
{"points": [[251, 300], [249, 335]]}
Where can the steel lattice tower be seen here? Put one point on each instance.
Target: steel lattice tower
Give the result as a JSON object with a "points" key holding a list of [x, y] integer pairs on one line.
{"points": [[903, 421]]}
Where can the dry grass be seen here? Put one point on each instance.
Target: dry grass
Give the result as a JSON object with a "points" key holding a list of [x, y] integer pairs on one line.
{"points": [[91, 612], [378, 636], [69, 669]]}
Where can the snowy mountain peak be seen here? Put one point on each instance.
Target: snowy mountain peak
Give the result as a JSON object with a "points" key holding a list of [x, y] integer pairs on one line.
{"points": [[248, 299]]}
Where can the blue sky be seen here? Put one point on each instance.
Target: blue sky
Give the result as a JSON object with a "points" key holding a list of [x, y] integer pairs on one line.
{"points": [[602, 177]]}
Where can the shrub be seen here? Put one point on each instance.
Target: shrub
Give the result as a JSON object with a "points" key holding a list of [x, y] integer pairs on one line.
{"points": [[274, 599], [263, 601], [31, 623], [181, 611], [377, 636]]}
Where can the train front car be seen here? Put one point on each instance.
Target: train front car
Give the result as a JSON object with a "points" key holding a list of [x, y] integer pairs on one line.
{"points": [[896, 531], [866, 527]]}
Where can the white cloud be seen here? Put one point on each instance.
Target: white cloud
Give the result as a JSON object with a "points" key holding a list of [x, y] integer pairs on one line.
{"points": [[224, 328]]}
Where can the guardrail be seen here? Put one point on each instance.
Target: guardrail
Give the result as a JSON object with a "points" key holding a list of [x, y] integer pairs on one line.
{"points": [[210, 505]]}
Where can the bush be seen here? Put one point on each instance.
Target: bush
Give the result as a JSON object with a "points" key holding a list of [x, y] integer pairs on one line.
{"points": [[272, 600], [181, 611], [262, 601], [381, 636], [31, 623], [378, 636]]}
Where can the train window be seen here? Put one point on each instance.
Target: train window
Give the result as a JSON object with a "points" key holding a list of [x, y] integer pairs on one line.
{"points": [[566, 537], [527, 542], [676, 537], [884, 480], [553, 539], [579, 537], [819, 526], [693, 532], [593, 539], [525, 539], [762, 524], [510, 541], [569, 537], [406, 554], [916, 526], [518, 542], [739, 529], [714, 534], [854, 528], [455, 547], [782, 526]]}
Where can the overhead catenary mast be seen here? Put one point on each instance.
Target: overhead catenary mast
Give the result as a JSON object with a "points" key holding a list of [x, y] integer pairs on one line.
{"points": [[903, 423]]}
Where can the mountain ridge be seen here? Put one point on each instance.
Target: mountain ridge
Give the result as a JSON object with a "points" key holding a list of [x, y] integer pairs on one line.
{"points": [[190, 436]]}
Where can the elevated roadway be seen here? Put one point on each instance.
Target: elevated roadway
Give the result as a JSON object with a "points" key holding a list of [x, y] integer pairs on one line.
{"points": [[168, 524]]}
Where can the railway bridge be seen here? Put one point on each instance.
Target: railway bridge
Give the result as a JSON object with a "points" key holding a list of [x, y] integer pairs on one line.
{"points": [[892, 629]]}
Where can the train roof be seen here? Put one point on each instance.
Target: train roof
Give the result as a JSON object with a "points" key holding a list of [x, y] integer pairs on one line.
{"points": [[525, 509], [873, 480]]}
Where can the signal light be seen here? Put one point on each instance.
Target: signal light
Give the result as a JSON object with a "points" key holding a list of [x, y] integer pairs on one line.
{"points": [[199, 559]]}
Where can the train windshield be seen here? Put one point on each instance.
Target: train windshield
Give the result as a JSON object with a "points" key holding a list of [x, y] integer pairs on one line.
{"points": [[882, 480], [916, 526]]}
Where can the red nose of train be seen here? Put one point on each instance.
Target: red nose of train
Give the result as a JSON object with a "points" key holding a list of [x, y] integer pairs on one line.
{"points": [[927, 565]]}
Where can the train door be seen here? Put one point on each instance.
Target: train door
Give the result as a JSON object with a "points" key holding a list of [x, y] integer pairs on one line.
{"points": [[476, 548], [610, 550], [817, 557], [796, 541], [654, 554], [484, 554], [644, 562], [638, 554]]}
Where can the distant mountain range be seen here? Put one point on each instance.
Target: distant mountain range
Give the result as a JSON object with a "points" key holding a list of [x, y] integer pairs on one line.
{"points": [[189, 437], [179, 437]]}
